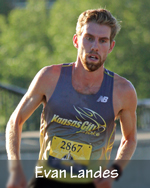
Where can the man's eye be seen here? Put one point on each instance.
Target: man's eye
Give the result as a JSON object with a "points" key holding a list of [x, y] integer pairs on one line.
{"points": [[89, 38], [102, 41]]}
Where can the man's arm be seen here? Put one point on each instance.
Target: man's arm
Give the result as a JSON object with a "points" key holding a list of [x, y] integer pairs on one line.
{"points": [[127, 114], [31, 100], [128, 126]]}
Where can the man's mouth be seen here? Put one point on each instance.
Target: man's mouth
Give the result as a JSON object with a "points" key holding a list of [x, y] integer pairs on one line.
{"points": [[93, 57]]}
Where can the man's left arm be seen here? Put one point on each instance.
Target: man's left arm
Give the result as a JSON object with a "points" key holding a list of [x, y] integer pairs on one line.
{"points": [[128, 143], [128, 128]]}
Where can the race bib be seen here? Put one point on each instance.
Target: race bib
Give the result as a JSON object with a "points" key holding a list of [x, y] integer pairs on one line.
{"points": [[69, 150]]}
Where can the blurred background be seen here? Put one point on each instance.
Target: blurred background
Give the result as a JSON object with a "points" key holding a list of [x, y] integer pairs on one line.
{"points": [[38, 33]]}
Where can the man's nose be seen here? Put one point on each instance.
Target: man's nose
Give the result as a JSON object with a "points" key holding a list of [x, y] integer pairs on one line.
{"points": [[95, 46]]}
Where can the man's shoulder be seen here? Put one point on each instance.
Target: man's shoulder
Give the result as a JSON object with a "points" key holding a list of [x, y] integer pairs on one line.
{"points": [[46, 76], [124, 89], [51, 70], [122, 83], [45, 81]]}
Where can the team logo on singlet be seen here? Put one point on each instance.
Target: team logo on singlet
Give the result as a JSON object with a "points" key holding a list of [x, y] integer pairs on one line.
{"points": [[87, 121]]}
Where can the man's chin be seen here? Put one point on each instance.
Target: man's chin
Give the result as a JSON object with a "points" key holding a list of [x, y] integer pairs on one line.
{"points": [[92, 67]]}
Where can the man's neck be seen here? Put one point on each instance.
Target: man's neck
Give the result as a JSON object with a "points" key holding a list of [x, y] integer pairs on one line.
{"points": [[86, 82]]}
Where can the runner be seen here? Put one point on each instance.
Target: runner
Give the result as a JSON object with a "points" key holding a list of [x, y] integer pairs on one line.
{"points": [[81, 101]]}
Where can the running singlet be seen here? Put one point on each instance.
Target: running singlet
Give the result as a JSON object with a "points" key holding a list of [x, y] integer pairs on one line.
{"points": [[78, 126]]}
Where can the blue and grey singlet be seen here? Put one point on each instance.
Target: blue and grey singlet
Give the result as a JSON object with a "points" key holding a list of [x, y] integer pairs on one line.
{"points": [[78, 118]]}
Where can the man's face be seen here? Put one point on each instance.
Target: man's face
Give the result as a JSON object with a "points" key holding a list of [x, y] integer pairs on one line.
{"points": [[94, 45]]}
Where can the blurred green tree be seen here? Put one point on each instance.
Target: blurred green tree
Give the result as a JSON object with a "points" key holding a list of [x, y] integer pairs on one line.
{"points": [[25, 46]]}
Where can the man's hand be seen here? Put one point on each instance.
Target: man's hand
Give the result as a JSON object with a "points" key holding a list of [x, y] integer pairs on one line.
{"points": [[103, 182], [17, 179]]}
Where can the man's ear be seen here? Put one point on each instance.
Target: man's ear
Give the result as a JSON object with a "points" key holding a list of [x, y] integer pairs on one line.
{"points": [[111, 46], [75, 41]]}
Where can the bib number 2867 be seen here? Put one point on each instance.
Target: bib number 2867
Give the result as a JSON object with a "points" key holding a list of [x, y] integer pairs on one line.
{"points": [[71, 147], [61, 147]]}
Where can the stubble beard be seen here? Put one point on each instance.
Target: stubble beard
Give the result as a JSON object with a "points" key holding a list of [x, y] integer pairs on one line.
{"points": [[91, 66]]}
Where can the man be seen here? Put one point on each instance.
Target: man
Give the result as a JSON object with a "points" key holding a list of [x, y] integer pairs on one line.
{"points": [[81, 101]]}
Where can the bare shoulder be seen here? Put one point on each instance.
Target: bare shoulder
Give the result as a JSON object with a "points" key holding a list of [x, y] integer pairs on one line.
{"points": [[52, 71], [45, 81], [125, 92], [123, 85]]}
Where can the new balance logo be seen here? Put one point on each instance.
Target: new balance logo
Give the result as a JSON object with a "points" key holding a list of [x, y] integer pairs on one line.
{"points": [[103, 99]]}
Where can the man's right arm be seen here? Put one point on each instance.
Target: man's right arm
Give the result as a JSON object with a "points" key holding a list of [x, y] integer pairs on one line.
{"points": [[31, 100]]}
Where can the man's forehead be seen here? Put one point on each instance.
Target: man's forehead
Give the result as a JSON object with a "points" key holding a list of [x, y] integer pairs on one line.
{"points": [[95, 28]]}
